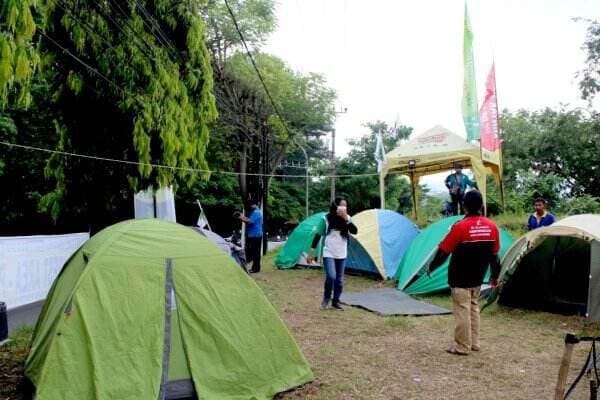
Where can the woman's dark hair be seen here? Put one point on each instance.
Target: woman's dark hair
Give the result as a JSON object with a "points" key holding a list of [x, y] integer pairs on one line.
{"points": [[335, 204], [334, 221]]}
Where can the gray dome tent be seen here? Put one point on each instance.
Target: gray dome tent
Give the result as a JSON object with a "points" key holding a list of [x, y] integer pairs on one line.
{"points": [[237, 253], [555, 268]]}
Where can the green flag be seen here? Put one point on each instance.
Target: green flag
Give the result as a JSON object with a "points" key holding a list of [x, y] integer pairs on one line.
{"points": [[469, 100]]}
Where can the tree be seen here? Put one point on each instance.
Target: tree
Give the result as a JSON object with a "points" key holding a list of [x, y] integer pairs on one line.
{"points": [[131, 80], [261, 134], [256, 20], [19, 56], [590, 75], [21, 171], [363, 191], [562, 143]]}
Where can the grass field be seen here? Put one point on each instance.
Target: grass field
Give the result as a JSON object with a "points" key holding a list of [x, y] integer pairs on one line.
{"points": [[359, 355]]}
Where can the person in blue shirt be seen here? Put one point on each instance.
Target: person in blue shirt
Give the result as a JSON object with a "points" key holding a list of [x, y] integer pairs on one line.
{"points": [[457, 186], [540, 217], [254, 235]]}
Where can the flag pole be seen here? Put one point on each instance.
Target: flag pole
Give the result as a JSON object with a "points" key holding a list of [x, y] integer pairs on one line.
{"points": [[382, 189], [501, 166]]}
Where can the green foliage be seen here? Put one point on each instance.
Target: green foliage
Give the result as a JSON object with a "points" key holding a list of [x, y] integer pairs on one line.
{"points": [[585, 204], [305, 101], [256, 19], [286, 202], [159, 102], [515, 223], [22, 171], [362, 192], [590, 75], [562, 143], [19, 57]]}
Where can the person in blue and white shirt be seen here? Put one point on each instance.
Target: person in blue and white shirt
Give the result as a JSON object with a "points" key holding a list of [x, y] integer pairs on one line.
{"points": [[540, 217], [254, 235]]}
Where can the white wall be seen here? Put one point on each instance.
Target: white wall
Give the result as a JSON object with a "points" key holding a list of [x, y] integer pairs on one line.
{"points": [[29, 265]]}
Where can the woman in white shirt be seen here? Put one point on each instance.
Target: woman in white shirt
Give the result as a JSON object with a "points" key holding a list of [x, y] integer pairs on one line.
{"points": [[336, 227]]}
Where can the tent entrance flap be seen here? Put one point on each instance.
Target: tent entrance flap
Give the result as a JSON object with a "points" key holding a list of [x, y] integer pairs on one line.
{"points": [[553, 277], [593, 312]]}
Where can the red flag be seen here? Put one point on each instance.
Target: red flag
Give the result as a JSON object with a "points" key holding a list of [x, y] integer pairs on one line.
{"points": [[488, 116]]}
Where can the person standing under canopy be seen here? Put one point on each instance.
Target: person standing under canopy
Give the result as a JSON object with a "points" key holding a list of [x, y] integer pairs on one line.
{"points": [[474, 243], [457, 186], [336, 227], [254, 232], [540, 217]]}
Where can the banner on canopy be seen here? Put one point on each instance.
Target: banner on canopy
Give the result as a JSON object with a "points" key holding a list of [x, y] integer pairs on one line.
{"points": [[488, 119]]}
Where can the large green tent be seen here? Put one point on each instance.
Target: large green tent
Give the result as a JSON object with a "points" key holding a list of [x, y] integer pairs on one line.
{"points": [[411, 274], [149, 309]]}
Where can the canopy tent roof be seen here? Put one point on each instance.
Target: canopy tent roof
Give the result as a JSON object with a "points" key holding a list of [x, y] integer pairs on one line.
{"points": [[554, 250], [434, 151]]}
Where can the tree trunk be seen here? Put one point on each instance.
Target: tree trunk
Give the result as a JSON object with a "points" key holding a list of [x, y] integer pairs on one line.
{"points": [[243, 179]]}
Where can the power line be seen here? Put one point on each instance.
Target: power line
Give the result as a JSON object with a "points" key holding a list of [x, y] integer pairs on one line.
{"points": [[88, 27], [156, 26], [174, 168], [260, 77], [80, 61], [146, 49], [85, 24]]}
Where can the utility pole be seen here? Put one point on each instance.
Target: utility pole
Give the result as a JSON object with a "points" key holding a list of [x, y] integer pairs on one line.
{"points": [[306, 171], [342, 111], [332, 165]]}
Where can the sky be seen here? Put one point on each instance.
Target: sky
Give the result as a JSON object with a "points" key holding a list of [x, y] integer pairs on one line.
{"points": [[402, 60]]}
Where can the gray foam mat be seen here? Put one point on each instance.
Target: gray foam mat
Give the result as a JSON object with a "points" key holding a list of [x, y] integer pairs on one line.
{"points": [[391, 302]]}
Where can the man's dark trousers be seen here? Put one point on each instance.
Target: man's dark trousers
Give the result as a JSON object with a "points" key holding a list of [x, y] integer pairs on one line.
{"points": [[253, 252], [457, 203]]}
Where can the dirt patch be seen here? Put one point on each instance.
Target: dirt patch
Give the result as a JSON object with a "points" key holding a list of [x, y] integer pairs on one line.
{"points": [[356, 354], [12, 360]]}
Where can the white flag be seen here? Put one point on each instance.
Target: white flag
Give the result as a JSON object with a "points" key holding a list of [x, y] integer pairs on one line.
{"points": [[379, 152], [202, 220]]}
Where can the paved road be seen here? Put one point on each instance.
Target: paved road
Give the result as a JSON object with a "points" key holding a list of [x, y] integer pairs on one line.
{"points": [[274, 245], [23, 316]]}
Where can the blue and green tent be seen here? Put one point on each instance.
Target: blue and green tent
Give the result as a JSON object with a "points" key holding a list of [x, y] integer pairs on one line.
{"points": [[383, 237]]}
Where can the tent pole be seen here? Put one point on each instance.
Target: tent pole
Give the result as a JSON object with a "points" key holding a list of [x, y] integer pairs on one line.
{"points": [[414, 195], [502, 194], [381, 190]]}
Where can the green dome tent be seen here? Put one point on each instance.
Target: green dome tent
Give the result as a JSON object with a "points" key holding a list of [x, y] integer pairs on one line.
{"points": [[149, 309], [411, 274]]}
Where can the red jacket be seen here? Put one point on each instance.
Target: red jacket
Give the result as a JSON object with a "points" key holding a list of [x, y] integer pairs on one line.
{"points": [[474, 243]]}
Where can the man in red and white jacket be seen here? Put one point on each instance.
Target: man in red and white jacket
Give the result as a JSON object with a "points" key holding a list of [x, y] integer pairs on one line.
{"points": [[474, 243]]}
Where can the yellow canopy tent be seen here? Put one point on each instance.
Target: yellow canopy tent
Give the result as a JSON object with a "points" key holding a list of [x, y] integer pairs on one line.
{"points": [[435, 151]]}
